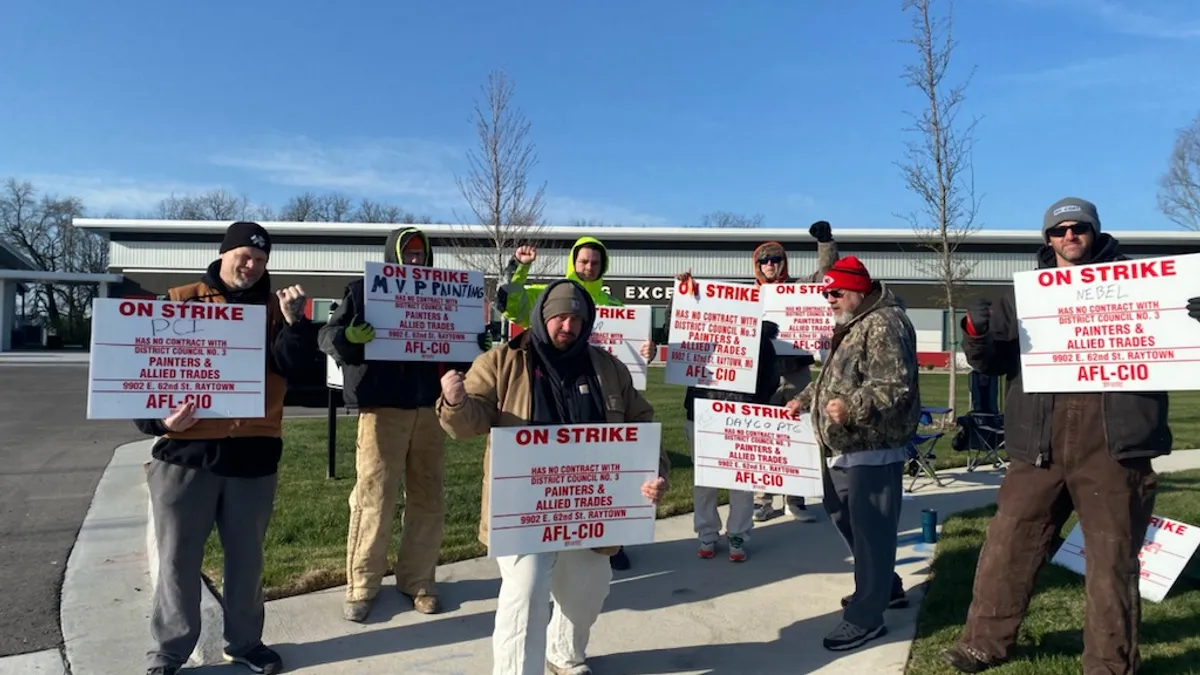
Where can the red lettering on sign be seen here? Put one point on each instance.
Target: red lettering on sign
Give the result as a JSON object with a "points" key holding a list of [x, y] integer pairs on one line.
{"points": [[1126, 271], [614, 313], [1054, 277], [740, 293], [597, 435], [136, 309], [533, 436]]}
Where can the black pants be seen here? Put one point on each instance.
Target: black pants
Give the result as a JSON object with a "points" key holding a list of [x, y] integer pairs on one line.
{"points": [[864, 503]]}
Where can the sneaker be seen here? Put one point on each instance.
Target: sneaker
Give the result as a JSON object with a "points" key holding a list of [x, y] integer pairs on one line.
{"points": [[356, 610], [737, 549], [764, 512], [261, 659], [966, 660], [163, 670], [801, 513], [707, 549], [848, 636]]}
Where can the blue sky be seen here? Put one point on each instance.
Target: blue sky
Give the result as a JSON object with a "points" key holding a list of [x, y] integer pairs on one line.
{"points": [[643, 112]]}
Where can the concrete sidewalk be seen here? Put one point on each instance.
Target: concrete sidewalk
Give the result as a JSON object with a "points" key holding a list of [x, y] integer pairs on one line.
{"points": [[671, 614]]}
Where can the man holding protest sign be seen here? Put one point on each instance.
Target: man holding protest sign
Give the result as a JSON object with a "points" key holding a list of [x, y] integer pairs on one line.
{"points": [[586, 265], [399, 442], [771, 267], [548, 375], [706, 520], [866, 404], [223, 471], [1096, 447]]}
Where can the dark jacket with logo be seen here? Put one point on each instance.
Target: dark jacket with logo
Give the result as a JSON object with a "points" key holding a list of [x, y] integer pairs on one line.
{"points": [[1135, 423], [240, 448], [381, 384]]}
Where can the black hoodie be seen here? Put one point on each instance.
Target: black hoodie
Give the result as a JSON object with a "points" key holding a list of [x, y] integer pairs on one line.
{"points": [[382, 384], [564, 388]]}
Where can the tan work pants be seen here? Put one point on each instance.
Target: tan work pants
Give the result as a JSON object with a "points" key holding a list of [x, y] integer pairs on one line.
{"points": [[396, 447]]}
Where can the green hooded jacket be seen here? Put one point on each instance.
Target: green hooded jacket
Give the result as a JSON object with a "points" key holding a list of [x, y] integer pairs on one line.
{"points": [[515, 298]]}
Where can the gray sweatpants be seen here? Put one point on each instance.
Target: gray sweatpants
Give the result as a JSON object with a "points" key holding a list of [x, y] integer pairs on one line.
{"points": [[186, 503], [864, 503]]}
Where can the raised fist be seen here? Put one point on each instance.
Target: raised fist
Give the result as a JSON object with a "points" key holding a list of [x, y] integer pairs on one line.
{"points": [[526, 254], [292, 301], [453, 390], [821, 231]]}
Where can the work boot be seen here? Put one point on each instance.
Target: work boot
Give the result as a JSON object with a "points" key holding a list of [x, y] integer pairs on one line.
{"points": [[424, 602], [356, 610], [966, 660]]}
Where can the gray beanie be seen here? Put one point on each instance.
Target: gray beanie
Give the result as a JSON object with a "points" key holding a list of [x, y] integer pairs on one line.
{"points": [[1070, 208], [564, 299]]}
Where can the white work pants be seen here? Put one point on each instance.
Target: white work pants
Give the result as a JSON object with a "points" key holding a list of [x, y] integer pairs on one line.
{"points": [[527, 633]]}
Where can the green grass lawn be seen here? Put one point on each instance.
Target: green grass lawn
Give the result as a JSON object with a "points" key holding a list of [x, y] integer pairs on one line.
{"points": [[305, 548], [1051, 638]]}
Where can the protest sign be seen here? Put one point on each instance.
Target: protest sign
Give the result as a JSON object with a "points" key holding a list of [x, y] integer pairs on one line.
{"points": [[714, 336], [1168, 547], [150, 356], [1115, 325], [804, 318], [423, 313], [562, 487], [622, 330], [746, 446]]}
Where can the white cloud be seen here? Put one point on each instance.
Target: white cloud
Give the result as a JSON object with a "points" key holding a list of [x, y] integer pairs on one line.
{"points": [[417, 173], [102, 195], [405, 169]]}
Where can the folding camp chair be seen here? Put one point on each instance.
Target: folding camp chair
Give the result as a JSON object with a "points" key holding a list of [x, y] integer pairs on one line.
{"points": [[921, 457], [984, 439]]}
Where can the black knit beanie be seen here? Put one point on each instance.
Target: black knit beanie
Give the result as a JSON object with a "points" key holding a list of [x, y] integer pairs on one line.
{"points": [[246, 233]]}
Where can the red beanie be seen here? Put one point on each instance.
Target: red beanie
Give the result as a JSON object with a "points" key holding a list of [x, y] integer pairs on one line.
{"points": [[848, 274]]}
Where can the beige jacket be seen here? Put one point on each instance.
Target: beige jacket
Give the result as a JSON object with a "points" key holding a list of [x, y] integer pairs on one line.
{"points": [[499, 395]]}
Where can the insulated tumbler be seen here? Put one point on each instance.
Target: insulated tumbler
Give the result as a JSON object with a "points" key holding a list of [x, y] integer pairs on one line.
{"points": [[929, 523]]}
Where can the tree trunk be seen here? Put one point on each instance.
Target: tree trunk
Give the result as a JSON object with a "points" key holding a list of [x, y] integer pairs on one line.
{"points": [[953, 404]]}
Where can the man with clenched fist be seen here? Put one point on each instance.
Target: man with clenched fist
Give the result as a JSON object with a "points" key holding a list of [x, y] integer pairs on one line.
{"points": [[223, 472], [549, 375]]}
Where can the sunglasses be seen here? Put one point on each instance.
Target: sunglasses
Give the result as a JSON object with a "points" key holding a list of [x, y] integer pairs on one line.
{"points": [[832, 294], [772, 260], [1076, 229]]}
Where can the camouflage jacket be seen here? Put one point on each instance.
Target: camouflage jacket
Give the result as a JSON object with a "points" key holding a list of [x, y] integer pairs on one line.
{"points": [[872, 367]]}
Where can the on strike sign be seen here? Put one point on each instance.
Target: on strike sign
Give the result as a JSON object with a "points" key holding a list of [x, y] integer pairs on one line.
{"points": [[422, 313], [555, 488], [715, 328], [150, 356], [1169, 546], [804, 318], [622, 330], [745, 446], [1116, 325]]}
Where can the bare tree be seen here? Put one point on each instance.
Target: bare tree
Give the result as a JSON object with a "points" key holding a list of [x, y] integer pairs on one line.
{"points": [[726, 220], [217, 204], [939, 168], [42, 230], [308, 207], [496, 188], [1179, 187]]}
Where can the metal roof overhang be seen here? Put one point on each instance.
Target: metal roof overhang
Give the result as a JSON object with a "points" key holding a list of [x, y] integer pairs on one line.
{"points": [[983, 236]]}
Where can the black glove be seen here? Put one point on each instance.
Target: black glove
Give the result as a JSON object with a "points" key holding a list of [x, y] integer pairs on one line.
{"points": [[1193, 307], [821, 231], [979, 314], [484, 340], [770, 330]]}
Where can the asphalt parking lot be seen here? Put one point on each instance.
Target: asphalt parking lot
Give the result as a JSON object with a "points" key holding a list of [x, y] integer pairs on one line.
{"points": [[51, 458]]}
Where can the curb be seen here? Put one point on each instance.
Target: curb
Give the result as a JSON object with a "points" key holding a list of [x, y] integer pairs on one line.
{"points": [[210, 645]]}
